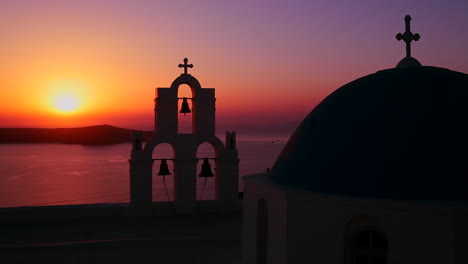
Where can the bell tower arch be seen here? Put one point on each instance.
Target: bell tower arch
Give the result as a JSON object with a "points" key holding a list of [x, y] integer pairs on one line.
{"points": [[202, 107]]}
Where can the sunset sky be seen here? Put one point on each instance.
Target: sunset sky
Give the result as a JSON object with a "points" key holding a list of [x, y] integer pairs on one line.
{"points": [[78, 63]]}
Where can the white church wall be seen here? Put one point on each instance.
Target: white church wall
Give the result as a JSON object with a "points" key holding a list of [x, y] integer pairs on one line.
{"points": [[460, 238], [315, 233], [415, 233], [317, 228], [418, 235], [258, 187]]}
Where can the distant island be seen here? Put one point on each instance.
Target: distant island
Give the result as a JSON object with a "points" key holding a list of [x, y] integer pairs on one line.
{"points": [[107, 134], [91, 135]]}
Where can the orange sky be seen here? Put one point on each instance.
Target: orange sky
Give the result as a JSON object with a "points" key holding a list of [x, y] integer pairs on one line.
{"points": [[269, 63]]}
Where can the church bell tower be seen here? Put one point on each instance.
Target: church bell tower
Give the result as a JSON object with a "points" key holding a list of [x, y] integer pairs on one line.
{"points": [[185, 147]]}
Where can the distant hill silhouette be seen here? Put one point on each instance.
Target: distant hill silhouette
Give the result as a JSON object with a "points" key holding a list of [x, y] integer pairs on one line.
{"points": [[107, 134], [91, 135]]}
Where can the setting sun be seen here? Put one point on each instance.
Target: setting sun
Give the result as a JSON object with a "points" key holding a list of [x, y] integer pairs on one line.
{"points": [[67, 96], [66, 103]]}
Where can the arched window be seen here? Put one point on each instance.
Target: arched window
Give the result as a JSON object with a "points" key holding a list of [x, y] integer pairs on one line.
{"points": [[262, 232], [369, 246], [185, 121], [206, 188], [163, 185]]}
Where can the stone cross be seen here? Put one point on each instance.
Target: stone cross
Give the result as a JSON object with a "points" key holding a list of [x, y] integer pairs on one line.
{"points": [[185, 65], [407, 36]]}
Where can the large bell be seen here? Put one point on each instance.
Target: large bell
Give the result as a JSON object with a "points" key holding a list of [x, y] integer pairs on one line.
{"points": [[185, 107], [163, 168], [206, 169]]}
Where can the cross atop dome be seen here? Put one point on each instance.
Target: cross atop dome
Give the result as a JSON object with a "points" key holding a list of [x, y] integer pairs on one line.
{"points": [[407, 36], [185, 65]]}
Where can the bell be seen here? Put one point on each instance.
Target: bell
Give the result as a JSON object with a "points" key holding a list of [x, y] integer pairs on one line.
{"points": [[185, 107], [206, 169], [163, 168]]}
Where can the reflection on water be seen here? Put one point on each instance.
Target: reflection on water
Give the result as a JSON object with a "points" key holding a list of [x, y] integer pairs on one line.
{"points": [[43, 174]]}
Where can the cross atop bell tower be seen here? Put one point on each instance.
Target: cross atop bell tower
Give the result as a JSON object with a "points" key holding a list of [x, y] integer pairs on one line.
{"points": [[185, 65], [407, 36]]}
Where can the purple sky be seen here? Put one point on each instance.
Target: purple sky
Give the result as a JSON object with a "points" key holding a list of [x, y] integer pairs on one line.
{"points": [[271, 61]]}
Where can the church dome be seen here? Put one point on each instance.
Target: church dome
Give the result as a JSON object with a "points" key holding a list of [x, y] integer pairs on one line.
{"points": [[396, 134], [408, 62]]}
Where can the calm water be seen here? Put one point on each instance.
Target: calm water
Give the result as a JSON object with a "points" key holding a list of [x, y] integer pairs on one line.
{"points": [[52, 174]]}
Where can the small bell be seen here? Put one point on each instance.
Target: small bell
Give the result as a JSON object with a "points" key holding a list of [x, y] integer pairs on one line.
{"points": [[185, 107], [206, 170], [163, 168]]}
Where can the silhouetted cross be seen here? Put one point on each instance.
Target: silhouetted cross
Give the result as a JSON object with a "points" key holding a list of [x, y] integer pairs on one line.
{"points": [[185, 65], [408, 36]]}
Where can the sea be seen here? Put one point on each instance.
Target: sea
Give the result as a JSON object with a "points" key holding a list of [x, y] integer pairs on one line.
{"points": [[61, 174]]}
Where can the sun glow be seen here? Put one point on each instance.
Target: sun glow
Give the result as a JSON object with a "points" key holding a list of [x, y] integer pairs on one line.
{"points": [[67, 96], [66, 102]]}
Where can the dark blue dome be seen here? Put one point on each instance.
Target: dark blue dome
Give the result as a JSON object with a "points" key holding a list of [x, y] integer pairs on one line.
{"points": [[398, 134]]}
